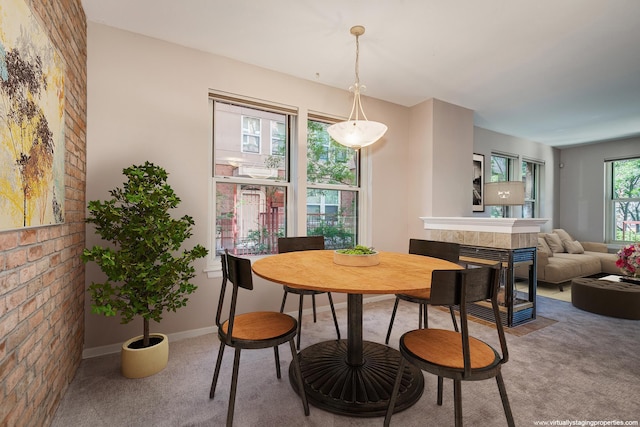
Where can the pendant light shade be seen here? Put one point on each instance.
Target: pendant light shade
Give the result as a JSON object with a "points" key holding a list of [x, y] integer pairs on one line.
{"points": [[357, 133]]}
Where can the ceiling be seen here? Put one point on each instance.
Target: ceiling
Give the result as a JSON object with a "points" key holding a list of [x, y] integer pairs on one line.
{"points": [[559, 72]]}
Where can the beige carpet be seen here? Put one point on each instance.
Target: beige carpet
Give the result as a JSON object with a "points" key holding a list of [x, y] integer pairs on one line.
{"points": [[521, 330], [582, 367], [548, 290]]}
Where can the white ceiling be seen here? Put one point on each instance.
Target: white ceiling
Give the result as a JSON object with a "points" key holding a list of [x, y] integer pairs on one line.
{"points": [[560, 72]]}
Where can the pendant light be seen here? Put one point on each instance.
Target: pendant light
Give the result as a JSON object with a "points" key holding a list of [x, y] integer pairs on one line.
{"points": [[357, 133]]}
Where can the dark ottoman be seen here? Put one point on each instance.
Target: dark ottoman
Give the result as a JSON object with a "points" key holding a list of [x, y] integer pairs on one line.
{"points": [[615, 299]]}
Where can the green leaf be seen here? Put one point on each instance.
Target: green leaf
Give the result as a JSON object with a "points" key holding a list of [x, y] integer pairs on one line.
{"points": [[146, 272]]}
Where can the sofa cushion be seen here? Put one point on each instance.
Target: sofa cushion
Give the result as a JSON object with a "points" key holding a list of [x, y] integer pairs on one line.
{"points": [[588, 264], [563, 234], [594, 247], [573, 247], [607, 262], [560, 269], [554, 242], [544, 247]]}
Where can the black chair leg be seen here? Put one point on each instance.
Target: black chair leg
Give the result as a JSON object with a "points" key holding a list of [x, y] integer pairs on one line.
{"points": [[296, 367], [216, 372], [234, 387], [333, 312], [505, 400], [439, 401], [300, 320], [284, 299], [394, 393], [457, 399], [313, 304], [425, 315], [277, 354], [453, 319], [393, 316]]}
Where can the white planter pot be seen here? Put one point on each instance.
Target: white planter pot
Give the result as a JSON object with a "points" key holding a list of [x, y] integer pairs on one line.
{"points": [[143, 362]]}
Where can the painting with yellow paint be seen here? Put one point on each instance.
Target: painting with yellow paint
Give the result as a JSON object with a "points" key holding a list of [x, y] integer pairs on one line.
{"points": [[32, 145]]}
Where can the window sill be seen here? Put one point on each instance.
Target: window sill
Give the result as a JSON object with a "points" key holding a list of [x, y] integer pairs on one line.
{"points": [[214, 267]]}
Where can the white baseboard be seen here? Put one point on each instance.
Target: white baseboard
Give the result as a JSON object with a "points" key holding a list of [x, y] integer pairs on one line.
{"points": [[104, 350], [115, 348]]}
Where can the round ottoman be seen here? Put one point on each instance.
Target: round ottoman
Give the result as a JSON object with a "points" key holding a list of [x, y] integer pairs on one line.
{"points": [[615, 299]]}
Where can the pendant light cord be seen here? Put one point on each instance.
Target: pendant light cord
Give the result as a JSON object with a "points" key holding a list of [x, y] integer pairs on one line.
{"points": [[357, 105]]}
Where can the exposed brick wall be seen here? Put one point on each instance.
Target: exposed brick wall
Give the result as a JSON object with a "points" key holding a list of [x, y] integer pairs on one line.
{"points": [[41, 275]]}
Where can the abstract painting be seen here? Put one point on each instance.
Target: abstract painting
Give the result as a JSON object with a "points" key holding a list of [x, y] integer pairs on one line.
{"points": [[32, 117]]}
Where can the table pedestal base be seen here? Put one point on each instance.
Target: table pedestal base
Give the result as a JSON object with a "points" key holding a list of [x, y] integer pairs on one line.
{"points": [[361, 390]]}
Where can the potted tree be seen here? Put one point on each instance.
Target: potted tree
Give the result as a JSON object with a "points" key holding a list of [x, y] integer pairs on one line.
{"points": [[147, 270]]}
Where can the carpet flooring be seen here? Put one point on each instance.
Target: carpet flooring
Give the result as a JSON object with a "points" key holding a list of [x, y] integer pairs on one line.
{"points": [[520, 330], [549, 290], [577, 366]]}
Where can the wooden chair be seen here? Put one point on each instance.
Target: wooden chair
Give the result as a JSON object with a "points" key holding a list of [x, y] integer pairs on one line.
{"points": [[452, 354], [250, 330], [432, 248], [306, 243]]}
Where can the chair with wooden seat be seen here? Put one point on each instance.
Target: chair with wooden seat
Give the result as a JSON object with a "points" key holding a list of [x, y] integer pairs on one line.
{"points": [[457, 355], [304, 243], [443, 250], [254, 330]]}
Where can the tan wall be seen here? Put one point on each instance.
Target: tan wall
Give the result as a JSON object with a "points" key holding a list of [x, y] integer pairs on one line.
{"points": [[148, 100], [582, 186], [439, 178], [41, 275], [486, 141]]}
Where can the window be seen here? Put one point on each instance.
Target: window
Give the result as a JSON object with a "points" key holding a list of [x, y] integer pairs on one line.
{"points": [[333, 185], [277, 138], [531, 179], [251, 188], [502, 169], [251, 217], [251, 134], [623, 200], [258, 189]]}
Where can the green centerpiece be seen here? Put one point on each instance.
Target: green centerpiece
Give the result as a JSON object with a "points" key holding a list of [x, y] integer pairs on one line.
{"points": [[358, 256]]}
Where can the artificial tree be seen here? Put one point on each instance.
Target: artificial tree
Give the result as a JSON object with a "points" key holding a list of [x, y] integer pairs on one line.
{"points": [[147, 272]]}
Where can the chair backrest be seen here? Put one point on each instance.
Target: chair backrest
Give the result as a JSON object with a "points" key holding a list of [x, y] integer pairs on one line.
{"points": [[462, 287], [237, 271], [455, 287], [303, 243], [447, 251]]}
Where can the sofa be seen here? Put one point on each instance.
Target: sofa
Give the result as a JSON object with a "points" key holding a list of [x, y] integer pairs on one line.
{"points": [[561, 258]]}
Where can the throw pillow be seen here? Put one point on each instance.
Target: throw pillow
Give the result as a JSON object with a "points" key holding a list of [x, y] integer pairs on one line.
{"points": [[563, 234], [543, 247], [573, 247], [554, 242]]}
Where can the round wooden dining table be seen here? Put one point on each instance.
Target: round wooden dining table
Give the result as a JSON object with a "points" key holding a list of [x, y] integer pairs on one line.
{"points": [[353, 377]]}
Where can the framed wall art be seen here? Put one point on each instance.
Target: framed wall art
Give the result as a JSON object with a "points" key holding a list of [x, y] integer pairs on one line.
{"points": [[478, 183], [32, 120]]}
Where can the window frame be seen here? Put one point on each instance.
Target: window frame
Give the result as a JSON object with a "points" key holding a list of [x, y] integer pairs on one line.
{"points": [[246, 134], [295, 180], [258, 182], [611, 201], [282, 141], [355, 187], [537, 178], [513, 168]]}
